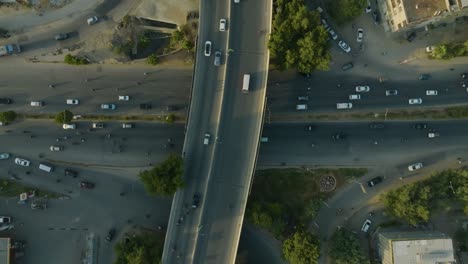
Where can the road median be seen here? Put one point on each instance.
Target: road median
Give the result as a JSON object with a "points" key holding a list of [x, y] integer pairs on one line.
{"points": [[159, 118]]}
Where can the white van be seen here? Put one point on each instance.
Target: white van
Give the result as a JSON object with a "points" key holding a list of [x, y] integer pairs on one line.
{"points": [[245, 84], [344, 105], [46, 167], [36, 103], [301, 107]]}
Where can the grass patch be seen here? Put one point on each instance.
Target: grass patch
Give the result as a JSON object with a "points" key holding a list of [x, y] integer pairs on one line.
{"points": [[284, 199], [11, 188]]}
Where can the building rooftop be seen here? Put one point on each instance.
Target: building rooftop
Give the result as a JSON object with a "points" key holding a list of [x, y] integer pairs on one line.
{"points": [[423, 9], [424, 251]]}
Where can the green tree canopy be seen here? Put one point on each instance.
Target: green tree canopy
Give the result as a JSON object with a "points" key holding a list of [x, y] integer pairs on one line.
{"points": [[165, 178], [7, 117], [344, 11], [152, 59], [345, 248], [145, 248], [301, 248], [298, 40], [64, 117]]}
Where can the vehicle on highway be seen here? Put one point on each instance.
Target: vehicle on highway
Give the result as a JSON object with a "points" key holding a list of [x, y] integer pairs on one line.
{"points": [[217, 59], [145, 106], [303, 98], [222, 25], [338, 136], [464, 75], [411, 36], [92, 20], [108, 106], [374, 181], [364, 88], [310, 127], [5, 219], [376, 125], [344, 46], [424, 77], [56, 148], [432, 134], [4, 156], [415, 166], [333, 34], [347, 66], [264, 139], [22, 162], [73, 101], [36, 103], [429, 49], [71, 173], [344, 105], [431, 92], [195, 201], [207, 138], [354, 97], [5, 101], [301, 107], [414, 101], [207, 48], [420, 126], [124, 97], [46, 167], [69, 126], [366, 226], [110, 235], [86, 185], [127, 125], [391, 92], [360, 34], [98, 125], [61, 36], [246, 83]]}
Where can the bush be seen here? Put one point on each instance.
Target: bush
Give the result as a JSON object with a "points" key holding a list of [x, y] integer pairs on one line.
{"points": [[74, 60], [64, 117], [301, 248], [123, 49], [170, 119], [8, 116], [449, 50], [139, 249], [164, 179], [152, 59], [343, 11], [144, 41], [345, 248]]}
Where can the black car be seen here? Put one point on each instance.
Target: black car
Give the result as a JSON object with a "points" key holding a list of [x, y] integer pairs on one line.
{"points": [[61, 36], [87, 185], [376, 125], [338, 136], [374, 181], [420, 126], [376, 17], [145, 106], [424, 77], [196, 201], [347, 66], [411, 36], [5, 101], [110, 235], [71, 173], [464, 75]]}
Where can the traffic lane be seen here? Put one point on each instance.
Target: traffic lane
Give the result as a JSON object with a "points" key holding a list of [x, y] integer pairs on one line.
{"points": [[397, 142]]}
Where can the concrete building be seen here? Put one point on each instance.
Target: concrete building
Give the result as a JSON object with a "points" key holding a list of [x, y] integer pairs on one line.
{"points": [[419, 247], [402, 14], [5, 244]]}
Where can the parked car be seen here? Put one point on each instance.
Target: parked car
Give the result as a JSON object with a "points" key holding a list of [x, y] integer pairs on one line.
{"points": [[5, 101], [61, 36], [87, 185], [108, 106], [222, 25], [354, 97], [368, 9], [424, 76], [73, 101], [374, 181], [124, 97], [366, 226], [414, 101], [415, 166], [431, 92], [71, 173], [207, 48], [411, 36], [56, 148], [4, 156], [344, 46], [110, 235], [98, 125], [360, 35], [69, 126], [391, 92], [92, 20], [429, 49], [324, 23], [22, 162], [145, 106], [5, 219], [376, 17], [347, 66], [363, 88], [333, 34]]}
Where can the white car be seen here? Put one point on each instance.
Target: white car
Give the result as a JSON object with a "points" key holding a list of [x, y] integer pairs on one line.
{"points": [[37, 103], [5, 219], [73, 101], [432, 135], [344, 46], [207, 138], [364, 88], [22, 162], [429, 49], [431, 92], [333, 35], [413, 101], [92, 20], [222, 24], [124, 97], [354, 97], [207, 48], [69, 126], [98, 125], [108, 106], [4, 156], [127, 125], [360, 34], [368, 9], [56, 148], [416, 166], [366, 226]]}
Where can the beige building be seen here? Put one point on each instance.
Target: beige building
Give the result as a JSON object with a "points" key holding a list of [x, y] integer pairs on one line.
{"points": [[401, 14], [419, 247]]}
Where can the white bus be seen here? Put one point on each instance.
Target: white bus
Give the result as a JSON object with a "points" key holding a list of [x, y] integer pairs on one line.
{"points": [[245, 86]]}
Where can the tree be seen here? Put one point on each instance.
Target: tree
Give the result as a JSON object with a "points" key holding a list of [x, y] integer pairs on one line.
{"points": [[301, 248], [7, 117], [346, 10], [409, 202], [345, 248], [144, 248], [165, 178], [152, 59], [64, 117], [298, 40]]}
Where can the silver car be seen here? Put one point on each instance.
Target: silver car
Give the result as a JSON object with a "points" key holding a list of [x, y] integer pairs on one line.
{"points": [[217, 60], [344, 46], [4, 156]]}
